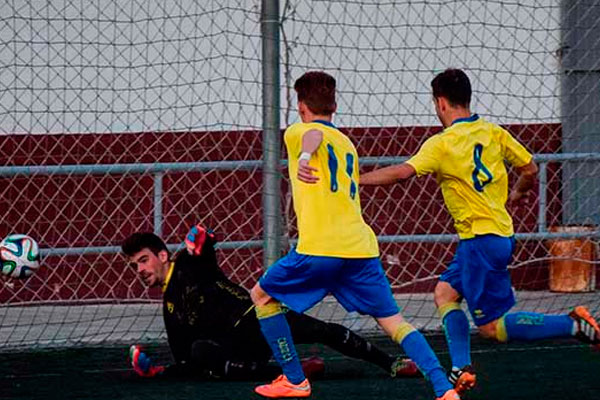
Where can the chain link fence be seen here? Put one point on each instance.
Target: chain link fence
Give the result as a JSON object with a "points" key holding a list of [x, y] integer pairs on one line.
{"points": [[119, 117]]}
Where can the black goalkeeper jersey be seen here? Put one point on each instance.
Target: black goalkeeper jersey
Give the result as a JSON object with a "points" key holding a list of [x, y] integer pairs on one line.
{"points": [[200, 303]]}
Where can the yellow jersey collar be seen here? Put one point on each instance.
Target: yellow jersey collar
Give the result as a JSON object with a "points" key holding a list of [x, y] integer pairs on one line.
{"points": [[472, 118], [168, 277]]}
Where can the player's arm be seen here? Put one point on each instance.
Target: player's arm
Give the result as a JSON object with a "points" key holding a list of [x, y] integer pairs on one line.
{"points": [[425, 162], [388, 175], [522, 160], [142, 364], [525, 182], [145, 367], [179, 344], [311, 140], [200, 246]]}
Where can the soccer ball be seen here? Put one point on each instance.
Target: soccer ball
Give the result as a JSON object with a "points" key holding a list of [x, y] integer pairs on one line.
{"points": [[19, 256]]}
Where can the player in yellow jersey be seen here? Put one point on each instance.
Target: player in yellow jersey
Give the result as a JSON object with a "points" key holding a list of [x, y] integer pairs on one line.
{"points": [[467, 159], [337, 252]]}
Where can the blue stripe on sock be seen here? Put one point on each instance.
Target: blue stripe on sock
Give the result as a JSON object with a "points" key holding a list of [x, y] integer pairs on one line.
{"points": [[277, 332]]}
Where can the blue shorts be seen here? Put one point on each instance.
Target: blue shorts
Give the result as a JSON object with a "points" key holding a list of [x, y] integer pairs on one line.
{"points": [[479, 272], [300, 281]]}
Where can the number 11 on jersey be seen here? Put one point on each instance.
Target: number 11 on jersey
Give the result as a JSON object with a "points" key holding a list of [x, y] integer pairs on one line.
{"points": [[332, 163]]}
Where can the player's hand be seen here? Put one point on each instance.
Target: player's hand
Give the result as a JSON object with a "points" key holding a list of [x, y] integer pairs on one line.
{"points": [[305, 172], [194, 240], [518, 199], [142, 364]]}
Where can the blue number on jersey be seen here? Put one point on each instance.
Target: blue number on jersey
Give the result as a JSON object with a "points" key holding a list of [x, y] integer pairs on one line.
{"points": [[349, 170], [333, 167], [479, 167]]}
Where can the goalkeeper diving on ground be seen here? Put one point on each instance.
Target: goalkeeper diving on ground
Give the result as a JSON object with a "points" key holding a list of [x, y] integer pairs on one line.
{"points": [[211, 325]]}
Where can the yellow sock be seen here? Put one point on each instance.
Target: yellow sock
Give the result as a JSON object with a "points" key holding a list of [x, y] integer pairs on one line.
{"points": [[403, 330], [268, 310]]}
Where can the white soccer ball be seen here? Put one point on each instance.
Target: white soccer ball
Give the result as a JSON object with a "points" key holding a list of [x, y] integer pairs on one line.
{"points": [[19, 256]]}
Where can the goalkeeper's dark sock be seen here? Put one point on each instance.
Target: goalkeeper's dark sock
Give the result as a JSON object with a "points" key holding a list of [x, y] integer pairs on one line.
{"points": [[531, 326], [276, 330], [348, 343], [456, 328], [250, 370], [210, 356], [417, 348]]}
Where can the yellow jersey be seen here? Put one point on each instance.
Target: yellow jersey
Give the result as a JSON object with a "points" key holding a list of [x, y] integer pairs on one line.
{"points": [[330, 221], [467, 159]]}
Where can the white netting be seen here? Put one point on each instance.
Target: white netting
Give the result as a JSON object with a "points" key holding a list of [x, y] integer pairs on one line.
{"points": [[384, 56], [145, 82], [131, 83]]}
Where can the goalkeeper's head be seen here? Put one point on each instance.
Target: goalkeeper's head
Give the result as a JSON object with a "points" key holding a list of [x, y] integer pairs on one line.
{"points": [[451, 95], [149, 255]]}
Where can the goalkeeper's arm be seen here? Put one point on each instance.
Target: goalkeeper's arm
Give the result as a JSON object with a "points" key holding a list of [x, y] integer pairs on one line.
{"points": [[142, 364]]}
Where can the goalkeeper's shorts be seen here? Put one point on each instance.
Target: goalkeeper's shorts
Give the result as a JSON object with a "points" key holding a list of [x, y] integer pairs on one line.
{"points": [[300, 281], [479, 272]]}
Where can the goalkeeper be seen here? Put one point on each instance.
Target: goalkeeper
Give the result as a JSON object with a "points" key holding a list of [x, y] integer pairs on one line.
{"points": [[211, 326]]}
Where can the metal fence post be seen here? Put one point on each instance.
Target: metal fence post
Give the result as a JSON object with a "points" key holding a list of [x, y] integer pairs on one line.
{"points": [[158, 193], [271, 135]]}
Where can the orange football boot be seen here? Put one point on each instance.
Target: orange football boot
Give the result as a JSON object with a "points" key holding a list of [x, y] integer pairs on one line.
{"points": [[449, 395], [588, 330], [463, 379], [281, 387]]}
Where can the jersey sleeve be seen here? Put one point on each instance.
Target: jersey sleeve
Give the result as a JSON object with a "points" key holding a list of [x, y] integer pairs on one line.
{"points": [[180, 343], [513, 151], [293, 140], [427, 159], [202, 266]]}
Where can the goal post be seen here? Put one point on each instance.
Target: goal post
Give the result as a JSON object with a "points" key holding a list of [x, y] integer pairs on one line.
{"points": [[128, 116]]}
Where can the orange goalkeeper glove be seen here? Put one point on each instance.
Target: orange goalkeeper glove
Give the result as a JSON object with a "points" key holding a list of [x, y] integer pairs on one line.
{"points": [[194, 240], [142, 364]]}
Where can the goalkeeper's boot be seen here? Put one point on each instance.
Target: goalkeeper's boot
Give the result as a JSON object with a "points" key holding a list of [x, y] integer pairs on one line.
{"points": [[281, 387], [588, 330], [313, 367], [463, 379], [449, 395], [404, 367]]}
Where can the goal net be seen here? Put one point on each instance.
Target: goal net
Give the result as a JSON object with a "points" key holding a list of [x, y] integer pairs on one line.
{"points": [[146, 115]]}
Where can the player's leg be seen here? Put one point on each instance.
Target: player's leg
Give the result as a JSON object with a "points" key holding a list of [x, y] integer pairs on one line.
{"points": [[479, 272], [219, 361], [293, 280], [488, 269], [277, 333], [447, 297], [418, 349], [306, 329], [362, 286], [531, 326]]}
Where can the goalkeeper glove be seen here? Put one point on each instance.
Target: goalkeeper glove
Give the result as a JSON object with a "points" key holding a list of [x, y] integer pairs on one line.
{"points": [[142, 364], [194, 240]]}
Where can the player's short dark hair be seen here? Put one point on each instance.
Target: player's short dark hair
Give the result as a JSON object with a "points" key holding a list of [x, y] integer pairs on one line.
{"points": [[316, 89], [454, 85], [143, 240]]}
